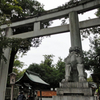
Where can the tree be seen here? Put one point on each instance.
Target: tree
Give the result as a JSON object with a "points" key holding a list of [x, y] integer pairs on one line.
{"points": [[60, 68], [30, 8], [92, 57], [49, 72], [35, 68], [15, 10], [5, 9], [18, 65]]}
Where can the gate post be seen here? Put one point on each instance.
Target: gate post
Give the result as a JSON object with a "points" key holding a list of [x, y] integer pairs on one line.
{"points": [[74, 30], [36, 26], [4, 68]]}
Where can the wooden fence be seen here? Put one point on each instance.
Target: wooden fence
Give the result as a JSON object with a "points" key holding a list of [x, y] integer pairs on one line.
{"points": [[8, 93]]}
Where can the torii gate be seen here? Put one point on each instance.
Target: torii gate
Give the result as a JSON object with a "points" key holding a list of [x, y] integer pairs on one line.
{"points": [[73, 27]]}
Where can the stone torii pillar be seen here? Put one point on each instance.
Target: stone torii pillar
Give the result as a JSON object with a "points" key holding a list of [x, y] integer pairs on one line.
{"points": [[74, 30], [74, 67], [4, 68]]}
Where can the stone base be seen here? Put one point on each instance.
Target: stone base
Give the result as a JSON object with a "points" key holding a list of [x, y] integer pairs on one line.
{"points": [[74, 98], [74, 84], [74, 91], [74, 88]]}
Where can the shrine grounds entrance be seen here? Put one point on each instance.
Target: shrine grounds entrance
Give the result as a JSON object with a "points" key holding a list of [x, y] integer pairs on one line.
{"points": [[73, 27]]}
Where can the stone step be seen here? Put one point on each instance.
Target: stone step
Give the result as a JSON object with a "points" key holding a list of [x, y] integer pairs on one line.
{"points": [[74, 84], [79, 91], [74, 98]]}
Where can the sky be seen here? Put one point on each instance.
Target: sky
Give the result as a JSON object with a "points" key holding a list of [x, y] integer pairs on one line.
{"points": [[57, 45]]}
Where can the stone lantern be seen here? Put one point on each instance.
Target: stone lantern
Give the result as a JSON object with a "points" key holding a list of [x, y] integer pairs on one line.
{"points": [[12, 82]]}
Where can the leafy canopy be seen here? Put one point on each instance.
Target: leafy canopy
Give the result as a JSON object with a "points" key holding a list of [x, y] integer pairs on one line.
{"points": [[49, 72], [15, 10]]}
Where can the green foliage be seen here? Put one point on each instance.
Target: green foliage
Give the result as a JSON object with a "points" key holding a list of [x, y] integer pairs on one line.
{"points": [[14, 10], [89, 79], [23, 45], [10, 7], [60, 68], [36, 68], [18, 63], [6, 8], [92, 57], [49, 69], [49, 72], [30, 7], [98, 12], [19, 73]]}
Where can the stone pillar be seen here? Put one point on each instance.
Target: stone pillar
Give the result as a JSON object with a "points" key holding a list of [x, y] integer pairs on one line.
{"points": [[74, 30], [75, 58], [36, 26], [4, 68]]}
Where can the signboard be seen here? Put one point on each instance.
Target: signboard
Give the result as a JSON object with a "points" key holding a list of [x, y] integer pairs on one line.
{"points": [[12, 78]]}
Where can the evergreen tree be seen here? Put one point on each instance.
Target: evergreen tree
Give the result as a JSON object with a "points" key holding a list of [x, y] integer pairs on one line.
{"points": [[92, 57], [50, 73]]}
